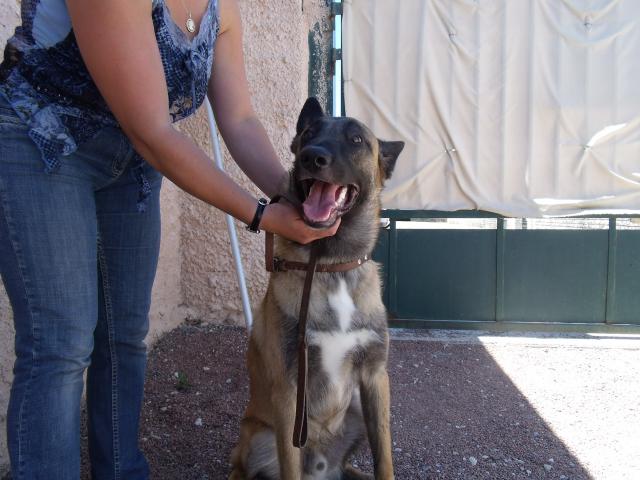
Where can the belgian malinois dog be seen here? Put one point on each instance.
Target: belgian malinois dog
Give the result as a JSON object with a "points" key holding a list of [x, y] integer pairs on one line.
{"points": [[339, 170]]}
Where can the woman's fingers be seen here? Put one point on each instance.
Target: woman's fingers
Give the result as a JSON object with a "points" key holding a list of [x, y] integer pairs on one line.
{"points": [[284, 219], [325, 232]]}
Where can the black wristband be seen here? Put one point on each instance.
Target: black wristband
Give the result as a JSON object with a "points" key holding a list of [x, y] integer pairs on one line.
{"points": [[254, 226]]}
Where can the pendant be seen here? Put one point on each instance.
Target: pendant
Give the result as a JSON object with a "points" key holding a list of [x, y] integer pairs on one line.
{"points": [[191, 25]]}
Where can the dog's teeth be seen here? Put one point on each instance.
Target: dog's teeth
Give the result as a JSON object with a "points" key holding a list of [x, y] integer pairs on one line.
{"points": [[342, 195]]}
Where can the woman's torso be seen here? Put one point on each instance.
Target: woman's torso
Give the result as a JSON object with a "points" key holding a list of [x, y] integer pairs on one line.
{"points": [[47, 83]]}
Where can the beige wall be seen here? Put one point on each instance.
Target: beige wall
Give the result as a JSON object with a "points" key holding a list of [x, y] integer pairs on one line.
{"points": [[196, 276], [9, 16], [276, 57]]}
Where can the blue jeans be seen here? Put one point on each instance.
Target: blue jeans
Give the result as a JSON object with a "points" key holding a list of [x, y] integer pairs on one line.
{"points": [[78, 261]]}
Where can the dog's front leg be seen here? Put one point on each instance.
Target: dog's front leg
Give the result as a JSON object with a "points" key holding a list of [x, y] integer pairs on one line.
{"points": [[289, 457], [374, 394]]}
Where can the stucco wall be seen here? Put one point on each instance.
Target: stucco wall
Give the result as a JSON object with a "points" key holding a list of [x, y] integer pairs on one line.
{"points": [[277, 58], [196, 276], [167, 307], [9, 16]]}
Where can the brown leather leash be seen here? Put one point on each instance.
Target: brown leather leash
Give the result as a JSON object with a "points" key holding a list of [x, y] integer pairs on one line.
{"points": [[274, 264], [300, 429]]}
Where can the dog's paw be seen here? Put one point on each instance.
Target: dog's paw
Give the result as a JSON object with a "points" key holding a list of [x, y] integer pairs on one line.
{"points": [[236, 475], [351, 473]]}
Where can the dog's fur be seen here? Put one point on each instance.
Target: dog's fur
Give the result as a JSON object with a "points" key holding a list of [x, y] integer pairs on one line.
{"points": [[348, 386]]}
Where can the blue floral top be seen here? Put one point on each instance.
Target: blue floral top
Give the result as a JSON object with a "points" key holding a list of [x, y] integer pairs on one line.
{"points": [[45, 80]]}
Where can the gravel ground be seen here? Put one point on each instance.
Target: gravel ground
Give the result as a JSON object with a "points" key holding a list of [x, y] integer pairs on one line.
{"points": [[456, 411]]}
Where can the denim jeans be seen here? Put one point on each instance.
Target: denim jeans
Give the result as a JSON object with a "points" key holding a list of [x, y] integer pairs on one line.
{"points": [[78, 261]]}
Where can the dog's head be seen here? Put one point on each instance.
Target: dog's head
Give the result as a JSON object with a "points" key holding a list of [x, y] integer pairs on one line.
{"points": [[339, 164], [340, 167]]}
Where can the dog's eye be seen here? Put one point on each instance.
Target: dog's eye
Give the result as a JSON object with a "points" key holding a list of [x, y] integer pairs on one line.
{"points": [[307, 134], [356, 139]]}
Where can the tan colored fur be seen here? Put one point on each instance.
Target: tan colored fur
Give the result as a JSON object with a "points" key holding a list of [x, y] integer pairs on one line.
{"points": [[347, 384], [273, 390]]}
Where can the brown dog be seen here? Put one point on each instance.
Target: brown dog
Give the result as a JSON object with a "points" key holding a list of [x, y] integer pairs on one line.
{"points": [[339, 170]]}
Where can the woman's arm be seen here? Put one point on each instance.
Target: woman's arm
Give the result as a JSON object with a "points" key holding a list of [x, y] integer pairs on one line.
{"points": [[118, 44], [243, 133]]}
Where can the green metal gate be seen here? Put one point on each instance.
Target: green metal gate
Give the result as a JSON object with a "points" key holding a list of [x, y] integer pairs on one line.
{"points": [[504, 278]]}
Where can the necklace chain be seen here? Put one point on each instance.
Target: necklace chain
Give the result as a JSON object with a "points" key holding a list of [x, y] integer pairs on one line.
{"points": [[190, 23]]}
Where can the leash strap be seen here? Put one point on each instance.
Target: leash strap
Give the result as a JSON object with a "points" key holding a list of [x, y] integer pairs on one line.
{"points": [[269, 260], [269, 243], [300, 429], [273, 264]]}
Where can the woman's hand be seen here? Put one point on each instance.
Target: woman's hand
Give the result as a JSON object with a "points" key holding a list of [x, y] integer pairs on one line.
{"points": [[283, 219]]}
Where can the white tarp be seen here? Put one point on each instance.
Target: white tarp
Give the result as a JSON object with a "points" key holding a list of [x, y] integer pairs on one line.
{"points": [[520, 107]]}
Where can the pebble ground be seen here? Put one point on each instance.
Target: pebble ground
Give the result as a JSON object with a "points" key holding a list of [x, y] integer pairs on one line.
{"points": [[456, 414]]}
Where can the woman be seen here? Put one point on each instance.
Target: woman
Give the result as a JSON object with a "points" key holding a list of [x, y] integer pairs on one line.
{"points": [[88, 93]]}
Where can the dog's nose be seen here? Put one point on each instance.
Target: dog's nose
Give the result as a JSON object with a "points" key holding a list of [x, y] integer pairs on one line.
{"points": [[315, 157]]}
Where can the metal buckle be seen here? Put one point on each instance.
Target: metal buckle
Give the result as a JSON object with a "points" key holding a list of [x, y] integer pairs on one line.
{"points": [[277, 264]]}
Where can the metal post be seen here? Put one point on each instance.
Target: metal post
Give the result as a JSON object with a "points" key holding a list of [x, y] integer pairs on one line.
{"points": [[337, 54], [235, 248], [610, 298], [500, 247], [393, 267]]}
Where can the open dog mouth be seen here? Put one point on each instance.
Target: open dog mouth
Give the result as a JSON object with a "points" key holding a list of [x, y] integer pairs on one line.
{"points": [[325, 202]]}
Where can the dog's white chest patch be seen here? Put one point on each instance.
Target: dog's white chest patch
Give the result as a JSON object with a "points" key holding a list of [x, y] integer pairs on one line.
{"points": [[335, 345], [342, 304]]}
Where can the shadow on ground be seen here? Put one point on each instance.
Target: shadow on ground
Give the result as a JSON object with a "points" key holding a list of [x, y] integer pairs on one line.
{"points": [[455, 414]]}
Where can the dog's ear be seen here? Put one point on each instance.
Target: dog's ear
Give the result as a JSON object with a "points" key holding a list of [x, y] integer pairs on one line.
{"points": [[388, 155], [311, 111]]}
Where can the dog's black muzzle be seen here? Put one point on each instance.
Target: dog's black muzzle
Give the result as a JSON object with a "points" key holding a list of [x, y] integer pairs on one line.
{"points": [[315, 158]]}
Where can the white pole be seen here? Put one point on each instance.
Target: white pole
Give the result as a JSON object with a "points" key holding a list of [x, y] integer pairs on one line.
{"points": [[337, 75], [235, 248]]}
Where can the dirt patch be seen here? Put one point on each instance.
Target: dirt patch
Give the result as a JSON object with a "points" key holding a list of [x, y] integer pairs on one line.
{"points": [[455, 414]]}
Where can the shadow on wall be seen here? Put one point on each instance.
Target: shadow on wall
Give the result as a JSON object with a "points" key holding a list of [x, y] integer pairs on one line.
{"points": [[455, 414]]}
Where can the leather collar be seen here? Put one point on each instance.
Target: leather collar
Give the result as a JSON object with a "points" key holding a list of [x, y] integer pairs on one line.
{"points": [[275, 264]]}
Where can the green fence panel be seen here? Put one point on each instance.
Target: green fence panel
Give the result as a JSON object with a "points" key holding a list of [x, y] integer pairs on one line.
{"points": [[555, 276], [626, 302], [585, 280], [445, 274], [381, 255]]}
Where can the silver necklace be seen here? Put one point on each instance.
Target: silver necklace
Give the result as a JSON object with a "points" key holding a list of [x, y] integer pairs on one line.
{"points": [[190, 24]]}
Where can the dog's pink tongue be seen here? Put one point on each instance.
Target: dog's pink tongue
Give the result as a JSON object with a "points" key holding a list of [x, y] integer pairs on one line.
{"points": [[321, 201]]}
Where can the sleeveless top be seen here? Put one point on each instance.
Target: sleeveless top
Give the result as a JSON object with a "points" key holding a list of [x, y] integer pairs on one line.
{"points": [[45, 80]]}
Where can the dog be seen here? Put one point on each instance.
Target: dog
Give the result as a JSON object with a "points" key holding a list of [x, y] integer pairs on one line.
{"points": [[339, 170]]}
